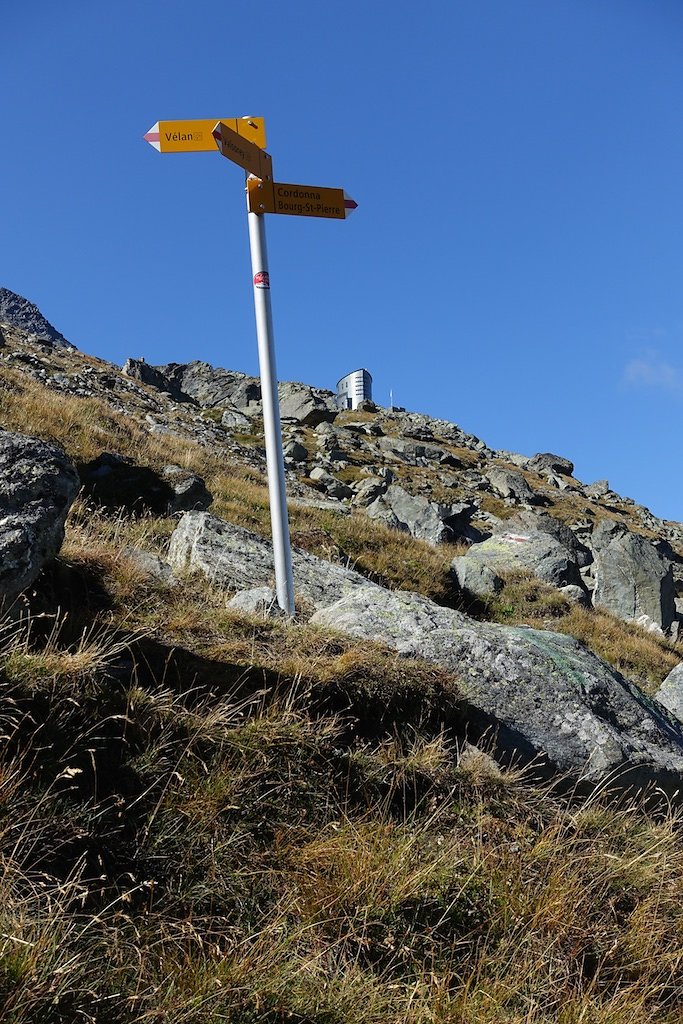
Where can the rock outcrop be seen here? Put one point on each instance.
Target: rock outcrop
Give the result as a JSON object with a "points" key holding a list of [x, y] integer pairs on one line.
{"points": [[540, 694], [525, 519], [306, 405], [546, 462], [234, 419], [528, 549], [211, 387], [633, 580], [426, 520], [670, 693], [138, 369], [17, 311], [476, 579], [232, 558], [333, 487], [511, 484], [38, 484]]}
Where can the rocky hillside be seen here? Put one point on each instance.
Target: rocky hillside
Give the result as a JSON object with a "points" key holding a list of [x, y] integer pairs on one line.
{"points": [[447, 791], [413, 473]]}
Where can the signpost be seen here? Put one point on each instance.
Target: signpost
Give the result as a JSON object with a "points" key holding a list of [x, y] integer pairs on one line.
{"points": [[243, 152], [196, 136], [242, 140], [299, 200]]}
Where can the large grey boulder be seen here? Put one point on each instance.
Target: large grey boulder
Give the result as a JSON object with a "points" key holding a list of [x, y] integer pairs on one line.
{"points": [[401, 449], [670, 693], [138, 369], [528, 549], [475, 578], [426, 520], [546, 462], [232, 558], [410, 424], [306, 405], [332, 443], [510, 484], [150, 566], [598, 489], [189, 492], [541, 694], [38, 484], [632, 578], [234, 419], [294, 451], [260, 601], [335, 488], [525, 519], [369, 490]]}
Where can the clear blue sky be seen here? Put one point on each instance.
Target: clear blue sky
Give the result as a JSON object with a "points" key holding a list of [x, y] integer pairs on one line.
{"points": [[515, 261]]}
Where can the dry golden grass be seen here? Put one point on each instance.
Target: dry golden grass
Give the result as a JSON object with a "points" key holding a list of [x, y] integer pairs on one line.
{"points": [[194, 615], [240, 497], [496, 506], [644, 657], [56, 662], [277, 868], [390, 556], [525, 598], [347, 416], [83, 427]]}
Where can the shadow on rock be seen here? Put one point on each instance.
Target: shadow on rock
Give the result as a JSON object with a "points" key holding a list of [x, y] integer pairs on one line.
{"points": [[114, 482]]}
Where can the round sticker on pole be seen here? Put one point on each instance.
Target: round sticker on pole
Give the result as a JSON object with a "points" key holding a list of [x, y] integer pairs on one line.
{"points": [[262, 279]]}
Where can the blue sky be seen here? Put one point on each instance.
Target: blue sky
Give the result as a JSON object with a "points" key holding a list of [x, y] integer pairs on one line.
{"points": [[514, 264]]}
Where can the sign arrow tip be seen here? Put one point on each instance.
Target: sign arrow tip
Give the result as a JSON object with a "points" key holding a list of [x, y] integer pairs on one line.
{"points": [[349, 204], [152, 136]]}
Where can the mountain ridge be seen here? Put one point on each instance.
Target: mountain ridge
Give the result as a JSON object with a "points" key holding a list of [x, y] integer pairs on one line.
{"points": [[16, 311]]}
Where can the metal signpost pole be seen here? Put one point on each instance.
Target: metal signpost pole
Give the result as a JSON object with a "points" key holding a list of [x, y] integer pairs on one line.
{"points": [[242, 140], [282, 552]]}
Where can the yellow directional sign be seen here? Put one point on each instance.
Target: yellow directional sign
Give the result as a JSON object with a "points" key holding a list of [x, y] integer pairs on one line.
{"points": [[299, 200], [196, 137], [243, 152]]}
